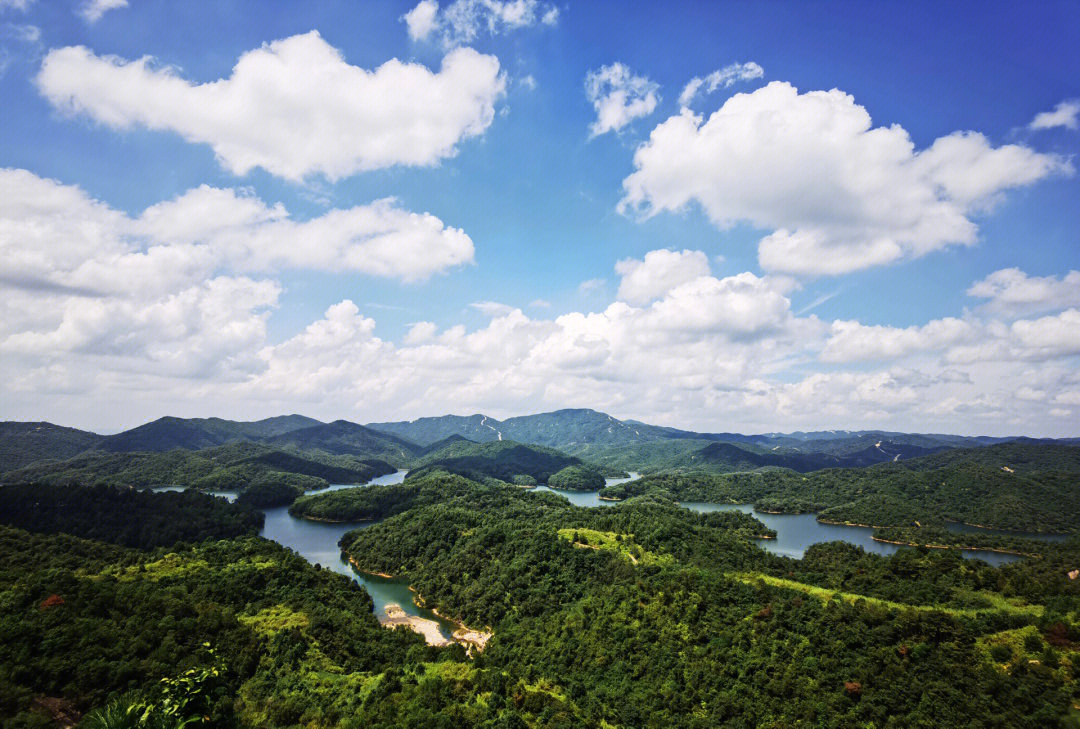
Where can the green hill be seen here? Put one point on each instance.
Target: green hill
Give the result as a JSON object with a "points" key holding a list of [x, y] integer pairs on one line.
{"points": [[23, 443], [344, 438], [497, 459], [167, 433], [230, 467]]}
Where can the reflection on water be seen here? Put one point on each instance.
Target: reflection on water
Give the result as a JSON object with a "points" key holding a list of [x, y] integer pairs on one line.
{"points": [[796, 532]]}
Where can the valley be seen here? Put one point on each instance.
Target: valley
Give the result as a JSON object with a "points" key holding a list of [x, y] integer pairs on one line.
{"points": [[338, 573]]}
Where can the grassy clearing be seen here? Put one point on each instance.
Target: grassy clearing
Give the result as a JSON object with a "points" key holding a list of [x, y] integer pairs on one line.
{"points": [[275, 619], [177, 565], [622, 543], [1000, 604]]}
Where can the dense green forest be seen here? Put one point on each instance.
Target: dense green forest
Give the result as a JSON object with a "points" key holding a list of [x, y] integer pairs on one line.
{"points": [[118, 604], [124, 516], [503, 460], [975, 486], [232, 467], [344, 438], [943, 538], [577, 478], [24, 443], [652, 615], [165, 434]]}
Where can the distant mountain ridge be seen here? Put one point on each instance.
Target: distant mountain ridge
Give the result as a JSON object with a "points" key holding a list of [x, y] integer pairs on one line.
{"points": [[504, 460], [557, 429], [169, 432], [24, 443], [587, 434], [342, 437]]}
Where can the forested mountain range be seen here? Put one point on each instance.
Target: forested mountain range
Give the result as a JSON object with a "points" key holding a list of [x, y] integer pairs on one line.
{"points": [[585, 434]]}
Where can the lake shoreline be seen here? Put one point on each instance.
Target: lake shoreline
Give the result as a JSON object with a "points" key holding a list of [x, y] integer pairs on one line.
{"points": [[470, 638], [324, 520], [951, 546]]}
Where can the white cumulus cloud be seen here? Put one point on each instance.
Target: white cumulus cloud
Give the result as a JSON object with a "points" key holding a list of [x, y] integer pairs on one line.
{"points": [[173, 287], [838, 193], [657, 273], [619, 97], [420, 21], [1066, 114], [293, 107], [1011, 291]]}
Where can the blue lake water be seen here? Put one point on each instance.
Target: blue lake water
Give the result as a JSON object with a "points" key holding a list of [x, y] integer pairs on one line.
{"points": [[796, 532], [588, 498], [317, 542]]}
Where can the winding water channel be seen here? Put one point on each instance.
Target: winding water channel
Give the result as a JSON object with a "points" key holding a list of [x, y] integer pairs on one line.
{"points": [[317, 542]]}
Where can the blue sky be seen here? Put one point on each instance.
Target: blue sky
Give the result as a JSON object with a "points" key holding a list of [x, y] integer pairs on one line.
{"points": [[863, 276]]}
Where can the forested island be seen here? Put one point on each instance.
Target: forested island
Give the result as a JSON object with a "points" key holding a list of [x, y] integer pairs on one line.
{"points": [[130, 607]]}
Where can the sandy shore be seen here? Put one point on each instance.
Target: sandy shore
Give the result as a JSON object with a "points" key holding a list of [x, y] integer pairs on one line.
{"points": [[395, 616]]}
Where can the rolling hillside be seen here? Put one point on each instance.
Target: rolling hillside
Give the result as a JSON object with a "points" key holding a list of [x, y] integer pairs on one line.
{"points": [[344, 438], [228, 467], [24, 443], [167, 433], [503, 460]]}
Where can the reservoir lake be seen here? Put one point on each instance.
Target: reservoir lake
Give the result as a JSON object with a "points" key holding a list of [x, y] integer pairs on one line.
{"points": [[317, 542]]}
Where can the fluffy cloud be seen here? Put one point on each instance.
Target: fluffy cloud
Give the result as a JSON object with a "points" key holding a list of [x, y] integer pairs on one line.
{"points": [[166, 289], [958, 341], [1010, 291], [711, 352], [379, 239], [92, 10], [1049, 336], [20, 5], [718, 353], [705, 333], [723, 77], [850, 341], [1066, 114], [659, 272], [838, 193], [463, 20], [619, 97], [293, 107], [421, 20]]}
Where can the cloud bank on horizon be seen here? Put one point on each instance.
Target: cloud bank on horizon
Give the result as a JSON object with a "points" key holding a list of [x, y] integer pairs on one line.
{"points": [[237, 284]]}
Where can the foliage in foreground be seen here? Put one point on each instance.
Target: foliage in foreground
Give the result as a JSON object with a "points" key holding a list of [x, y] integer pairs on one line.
{"points": [[639, 615]]}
